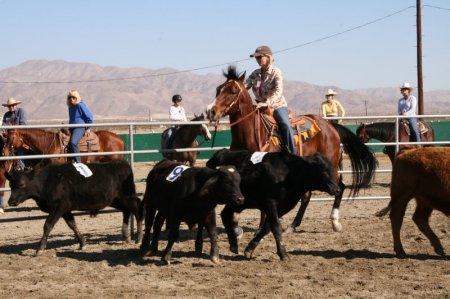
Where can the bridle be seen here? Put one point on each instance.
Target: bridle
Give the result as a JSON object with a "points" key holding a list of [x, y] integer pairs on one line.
{"points": [[235, 100]]}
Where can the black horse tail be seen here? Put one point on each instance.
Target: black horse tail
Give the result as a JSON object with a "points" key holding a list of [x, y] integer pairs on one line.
{"points": [[362, 159]]}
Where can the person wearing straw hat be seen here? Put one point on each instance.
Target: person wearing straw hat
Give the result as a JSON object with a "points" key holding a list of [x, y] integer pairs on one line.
{"points": [[332, 107], [14, 116], [407, 106], [78, 114], [267, 86]]}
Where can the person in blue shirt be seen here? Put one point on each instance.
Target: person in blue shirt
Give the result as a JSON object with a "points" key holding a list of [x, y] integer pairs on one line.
{"points": [[78, 114]]}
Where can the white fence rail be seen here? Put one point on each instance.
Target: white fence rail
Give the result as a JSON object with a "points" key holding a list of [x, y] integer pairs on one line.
{"points": [[131, 126]]}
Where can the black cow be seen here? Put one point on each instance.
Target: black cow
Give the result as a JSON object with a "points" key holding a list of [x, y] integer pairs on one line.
{"points": [[186, 194], [274, 186], [59, 189]]}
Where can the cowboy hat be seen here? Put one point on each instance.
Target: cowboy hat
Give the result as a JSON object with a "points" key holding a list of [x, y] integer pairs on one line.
{"points": [[11, 102], [406, 85], [330, 92]]}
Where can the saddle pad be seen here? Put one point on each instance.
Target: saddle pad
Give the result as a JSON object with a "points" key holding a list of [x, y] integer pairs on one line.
{"points": [[176, 172], [257, 157], [83, 169], [420, 126], [86, 144]]}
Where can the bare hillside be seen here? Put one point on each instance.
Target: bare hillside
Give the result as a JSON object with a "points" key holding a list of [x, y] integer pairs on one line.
{"points": [[144, 92]]}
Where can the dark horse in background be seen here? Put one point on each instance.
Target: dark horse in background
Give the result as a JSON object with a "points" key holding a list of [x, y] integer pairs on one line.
{"points": [[185, 136], [233, 99], [385, 132]]}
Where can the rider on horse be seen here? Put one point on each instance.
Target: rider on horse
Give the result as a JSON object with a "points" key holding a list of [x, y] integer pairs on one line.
{"points": [[407, 106], [267, 85], [176, 113]]}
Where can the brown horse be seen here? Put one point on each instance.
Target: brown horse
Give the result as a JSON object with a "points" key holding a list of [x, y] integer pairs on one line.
{"points": [[232, 99], [44, 142], [185, 136], [385, 132]]}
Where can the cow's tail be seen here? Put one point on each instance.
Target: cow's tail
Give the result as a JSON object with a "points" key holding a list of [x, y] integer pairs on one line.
{"points": [[362, 159], [384, 211]]}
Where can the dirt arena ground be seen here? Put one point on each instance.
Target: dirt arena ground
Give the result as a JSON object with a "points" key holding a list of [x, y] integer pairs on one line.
{"points": [[355, 263]]}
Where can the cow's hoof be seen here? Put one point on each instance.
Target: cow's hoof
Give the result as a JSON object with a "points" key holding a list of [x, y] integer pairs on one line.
{"points": [[166, 260], [400, 254], [215, 260], [289, 230], [440, 251], [337, 226], [248, 253]]}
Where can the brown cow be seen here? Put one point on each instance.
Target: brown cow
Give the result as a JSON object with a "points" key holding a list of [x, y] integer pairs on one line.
{"points": [[423, 174]]}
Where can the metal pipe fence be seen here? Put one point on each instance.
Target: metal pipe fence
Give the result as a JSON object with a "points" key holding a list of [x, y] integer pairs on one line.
{"points": [[131, 127]]}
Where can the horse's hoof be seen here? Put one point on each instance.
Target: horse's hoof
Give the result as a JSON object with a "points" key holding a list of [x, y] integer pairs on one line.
{"points": [[337, 226], [234, 249], [215, 260], [38, 252]]}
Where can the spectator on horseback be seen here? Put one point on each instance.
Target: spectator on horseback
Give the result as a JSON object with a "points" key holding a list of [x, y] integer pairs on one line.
{"points": [[15, 116], [267, 86], [407, 106], [176, 113], [78, 114], [332, 107]]}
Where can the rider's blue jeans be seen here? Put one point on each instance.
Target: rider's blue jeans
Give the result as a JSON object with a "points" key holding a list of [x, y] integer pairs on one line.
{"points": [[284, 127], [414, 129], [75, 137]]}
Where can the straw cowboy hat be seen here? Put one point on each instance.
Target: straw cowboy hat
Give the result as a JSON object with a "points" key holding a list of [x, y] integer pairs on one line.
{"points": [[11, 102], [406, 85], [330, 92]]}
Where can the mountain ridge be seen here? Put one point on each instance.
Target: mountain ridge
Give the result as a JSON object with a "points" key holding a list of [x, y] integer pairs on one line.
{"points": [[137, 92]]}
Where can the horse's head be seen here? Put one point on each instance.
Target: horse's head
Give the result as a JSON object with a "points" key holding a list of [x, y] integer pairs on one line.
{"points": [[14, 140], [228, 95], [362, 133], [203, 129]]}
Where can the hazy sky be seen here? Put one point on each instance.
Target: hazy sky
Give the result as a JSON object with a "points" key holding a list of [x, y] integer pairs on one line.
{"points": [[190, 34]]}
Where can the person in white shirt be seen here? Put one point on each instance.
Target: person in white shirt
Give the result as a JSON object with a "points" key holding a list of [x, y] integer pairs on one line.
{"points": [[176, 113], [407, 106]]}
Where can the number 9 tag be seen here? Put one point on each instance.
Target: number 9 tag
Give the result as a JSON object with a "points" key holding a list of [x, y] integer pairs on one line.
{"points": [[176, 172]]}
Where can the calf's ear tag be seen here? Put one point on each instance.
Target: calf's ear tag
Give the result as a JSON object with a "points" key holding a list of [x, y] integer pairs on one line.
{"points": [[83, 169], [257, 157], [176, 172]]}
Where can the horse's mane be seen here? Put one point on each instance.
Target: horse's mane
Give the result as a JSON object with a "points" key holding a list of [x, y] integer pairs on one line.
{"points": [[383, 131], [232, 73]]}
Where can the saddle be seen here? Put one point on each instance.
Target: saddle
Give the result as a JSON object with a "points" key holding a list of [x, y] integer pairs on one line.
{"points": [[86, 144], [420, 126], [303, 127]]}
